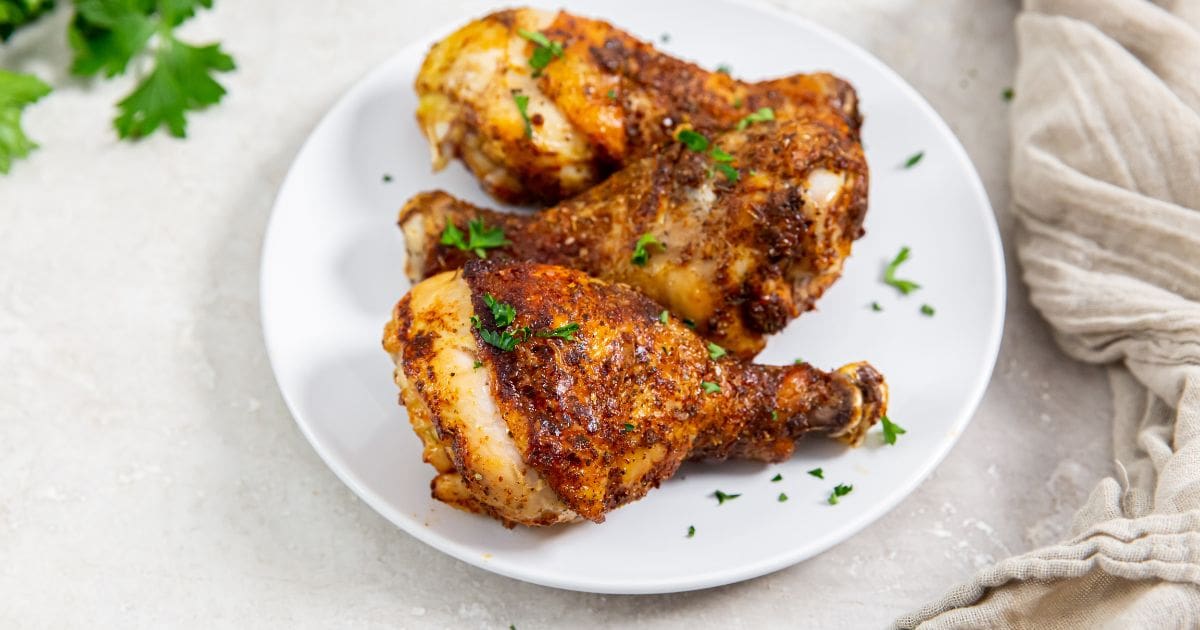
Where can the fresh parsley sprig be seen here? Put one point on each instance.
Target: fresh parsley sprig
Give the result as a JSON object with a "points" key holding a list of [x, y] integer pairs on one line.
{"points": [[565, 332], [17, 91], [479, 237], [891, 430], [641, 254]]}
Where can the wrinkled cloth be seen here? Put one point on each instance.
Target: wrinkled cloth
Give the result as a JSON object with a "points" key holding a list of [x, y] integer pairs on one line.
{"points": [[1106, 190]]}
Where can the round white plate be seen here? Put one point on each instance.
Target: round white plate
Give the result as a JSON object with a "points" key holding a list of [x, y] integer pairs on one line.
{"points": [[333, 267]]}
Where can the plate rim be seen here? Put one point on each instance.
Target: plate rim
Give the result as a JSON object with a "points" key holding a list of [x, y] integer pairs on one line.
{"points": [[689, 582]]}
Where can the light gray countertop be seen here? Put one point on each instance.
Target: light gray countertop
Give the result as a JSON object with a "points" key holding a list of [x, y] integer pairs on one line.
{"points": [[151, 476]]}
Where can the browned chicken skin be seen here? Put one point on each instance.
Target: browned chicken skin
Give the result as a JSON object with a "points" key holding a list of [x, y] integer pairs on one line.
{"points": [[596, 400], [739, 258], [605, 100]]}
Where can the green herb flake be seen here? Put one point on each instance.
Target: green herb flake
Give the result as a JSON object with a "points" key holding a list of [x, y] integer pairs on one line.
{"points": [[17, 91], [544, 51], [522, 102], [839, 490], [1007, 94], [478, 364], [720, 154], [927, 310], [715, 352], [724, 69], [728, 171], [774, 414], [876, 307], [503, 314], [817, 472], [763, 114], [710, 387], [640, 254], [889, 274], [913, 159], [693, 140], [722, 497], [689, 323], [565, 332], [475, 323], [799, 362], [737, 103], [627, 427], [777, 478], [387, 178], [891, 430], [691, 531], [782, 497], [664, 316], [612, 94], [479, 237]]}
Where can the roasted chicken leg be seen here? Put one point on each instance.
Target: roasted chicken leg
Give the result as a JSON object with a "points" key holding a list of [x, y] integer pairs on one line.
{"points": [[542, 105], [738, 253], [545, 396]]}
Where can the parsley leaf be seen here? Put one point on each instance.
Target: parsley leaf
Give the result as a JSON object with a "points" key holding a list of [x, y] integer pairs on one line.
{"points": [[782, 497], [1007, 94], [724, 69], [15, 14], [710, 387], [889, 274], [522, 102], [640, 254], [544, 50], [876, 307], [774, 414], [817, 472], [913, 159], [478, 364], [722, 497], [763, 114], [720, 154], [689, 323], [501, 339], [181, 81], [839, 490], [612, 94], [664, 316], [728, 171], [715, 352], [627, 427], [691, 531], [479, 237], [891, 430], [16, 92], [565, 332], [693, 140], [777, 478], [503, 314], [927, 310]]}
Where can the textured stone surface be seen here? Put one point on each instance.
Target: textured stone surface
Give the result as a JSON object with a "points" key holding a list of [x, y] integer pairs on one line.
{"points": [[150, 475]]}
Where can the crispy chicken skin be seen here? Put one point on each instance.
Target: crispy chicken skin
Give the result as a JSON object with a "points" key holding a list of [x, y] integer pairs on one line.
{"points": [[741, 258], [561, 429], [606, 100]]}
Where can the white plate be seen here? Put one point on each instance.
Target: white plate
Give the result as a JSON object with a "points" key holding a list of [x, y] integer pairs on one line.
{"points": [[332, 269]]}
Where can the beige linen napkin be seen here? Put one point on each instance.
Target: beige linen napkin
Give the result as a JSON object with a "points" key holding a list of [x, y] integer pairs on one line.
{"points": [[1106, 187]]}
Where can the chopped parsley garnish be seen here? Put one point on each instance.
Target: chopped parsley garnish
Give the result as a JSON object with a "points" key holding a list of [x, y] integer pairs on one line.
{"points": [[715, 352], [544, 52], [782, 497], [479, 237], [478, 364], [913, 159], [665, 37], [627, 427], [720, 155], [817, 472], [763, 114], [475, 323], [724, 69], [737, 103], [774, 414], [876, 307], [799, 362], [503, 314], [387, 178], [839, 490], [664, 316], [502, 339], [691, 531], [689, 323], [640, 255], [1007, 94], [927, 310], [891, 430], [565, 332], [693, 140], [710, 387], [777, 478], [522, 102], [722, 497], [612, 94], [889, 274], [728, 171]]}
